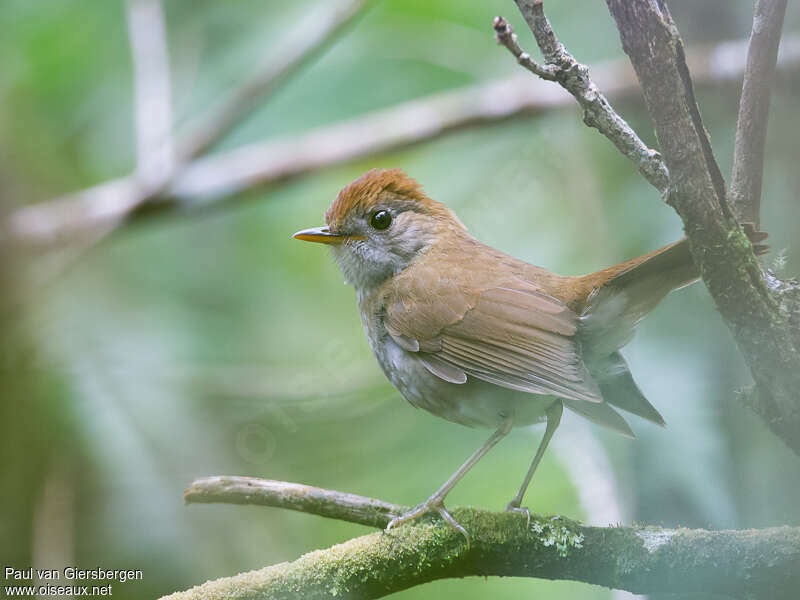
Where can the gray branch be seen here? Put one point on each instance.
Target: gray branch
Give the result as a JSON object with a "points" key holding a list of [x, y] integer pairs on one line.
{"points": [[147, 32], [505, 35], [638, 559], [574, 77], [302, 46], [751, 130], [293, 496]]}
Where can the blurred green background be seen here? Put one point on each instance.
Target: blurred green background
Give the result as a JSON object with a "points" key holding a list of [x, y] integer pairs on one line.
{"points": [[193, 345]]}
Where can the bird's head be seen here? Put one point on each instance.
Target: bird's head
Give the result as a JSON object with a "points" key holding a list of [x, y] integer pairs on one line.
{"points": [[379, 224]]}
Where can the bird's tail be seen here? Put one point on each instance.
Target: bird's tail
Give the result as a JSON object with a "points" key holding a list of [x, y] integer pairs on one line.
{"points": [[621, 297], [619, 389]]}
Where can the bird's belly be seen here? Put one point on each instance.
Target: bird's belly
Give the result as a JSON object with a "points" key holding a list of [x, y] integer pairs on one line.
{"points": [[475, 403]]}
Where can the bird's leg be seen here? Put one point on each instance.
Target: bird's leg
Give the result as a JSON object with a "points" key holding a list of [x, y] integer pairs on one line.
{"points": [[553, 419], [436, 501]]}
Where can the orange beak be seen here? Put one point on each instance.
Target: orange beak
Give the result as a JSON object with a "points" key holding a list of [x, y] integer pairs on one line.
{"points": [[321, 235]]}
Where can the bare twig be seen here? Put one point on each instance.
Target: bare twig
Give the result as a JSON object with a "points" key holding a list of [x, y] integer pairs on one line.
{"points": [[574, 77], [294, 496], [204, 181], [505, 35], [305, 42], [751, 130], [151, 82], [638, 559]]}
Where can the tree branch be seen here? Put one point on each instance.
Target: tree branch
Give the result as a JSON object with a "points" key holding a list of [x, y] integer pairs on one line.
{"points": [[697, 193], [504, 34], [93, 213], [152, 92], [638, 559], [294, 496], [574, 77], [302, 47], [213, 180], [751, 129]]}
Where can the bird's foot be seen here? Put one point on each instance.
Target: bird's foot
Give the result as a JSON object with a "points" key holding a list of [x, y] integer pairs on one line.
{"points": [[432, 504], [514, 506]]}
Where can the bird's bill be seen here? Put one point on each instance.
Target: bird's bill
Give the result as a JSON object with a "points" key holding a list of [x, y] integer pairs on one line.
{"points": [[321, 235]]}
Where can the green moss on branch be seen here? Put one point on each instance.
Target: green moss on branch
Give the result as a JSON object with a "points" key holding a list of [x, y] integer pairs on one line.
{"points": [[641, 560]]}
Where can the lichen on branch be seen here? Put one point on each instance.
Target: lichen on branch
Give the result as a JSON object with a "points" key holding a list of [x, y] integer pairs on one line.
{"points": [[638, 559]]}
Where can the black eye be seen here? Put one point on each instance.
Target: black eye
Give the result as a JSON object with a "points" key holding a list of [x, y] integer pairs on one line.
{"points": [[380, 219]]}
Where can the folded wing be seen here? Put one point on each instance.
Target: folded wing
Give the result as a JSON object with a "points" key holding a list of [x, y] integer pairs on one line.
{"points": [[509, 333]]}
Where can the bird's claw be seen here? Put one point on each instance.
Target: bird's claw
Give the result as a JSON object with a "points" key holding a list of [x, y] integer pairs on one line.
{"points": [[523, 510], [426, 507], [448, 518], [412, 514]]}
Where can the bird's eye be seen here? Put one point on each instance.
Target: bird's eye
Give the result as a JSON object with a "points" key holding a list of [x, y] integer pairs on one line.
{"points": [[380, 219]]}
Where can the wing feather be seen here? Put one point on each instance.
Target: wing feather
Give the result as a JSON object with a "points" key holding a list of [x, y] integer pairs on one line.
{"points": [[443, 369], [406, 342], [509, 333]]}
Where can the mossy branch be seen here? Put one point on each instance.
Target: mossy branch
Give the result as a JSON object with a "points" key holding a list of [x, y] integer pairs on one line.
{"points": [[697, 192], [638, 559]]}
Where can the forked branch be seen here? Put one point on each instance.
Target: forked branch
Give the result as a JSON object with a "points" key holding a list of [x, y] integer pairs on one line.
{"points": [[697, 192], [692, 180]]}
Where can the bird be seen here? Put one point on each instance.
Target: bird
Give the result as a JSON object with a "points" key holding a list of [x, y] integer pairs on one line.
{"points": [[481, 338]]}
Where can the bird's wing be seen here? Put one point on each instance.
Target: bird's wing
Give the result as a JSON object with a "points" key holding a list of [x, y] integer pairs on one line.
{"points": [[504, 330]]}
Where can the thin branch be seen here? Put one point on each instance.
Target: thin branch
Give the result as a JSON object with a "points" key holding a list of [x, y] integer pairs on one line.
{"points": [[574, 77], [213, 180], [697, 192], [400, 126], [751, 130], [293, 496], [505, 35], [60, 221], [147, 32], [304, 43], [638, 559]]}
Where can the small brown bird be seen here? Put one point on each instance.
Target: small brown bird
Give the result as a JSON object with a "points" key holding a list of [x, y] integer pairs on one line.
{"points": [[480, 338]]}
